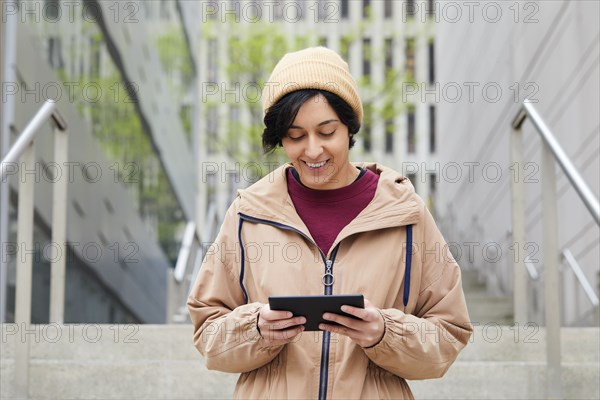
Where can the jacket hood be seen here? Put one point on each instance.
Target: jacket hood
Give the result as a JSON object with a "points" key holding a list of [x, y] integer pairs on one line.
{"points": [[395, 202]]}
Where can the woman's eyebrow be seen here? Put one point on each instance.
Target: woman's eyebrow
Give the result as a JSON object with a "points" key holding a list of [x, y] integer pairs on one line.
{"points": [[320, 124]]}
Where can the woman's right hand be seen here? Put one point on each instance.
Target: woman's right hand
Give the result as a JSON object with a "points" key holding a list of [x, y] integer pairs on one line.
{"points": [[279, 327]]}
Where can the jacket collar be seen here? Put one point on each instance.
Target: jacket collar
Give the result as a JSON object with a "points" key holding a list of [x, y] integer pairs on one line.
{"points": [[395, 202]]}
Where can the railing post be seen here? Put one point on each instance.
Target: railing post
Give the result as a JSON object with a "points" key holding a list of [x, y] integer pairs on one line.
{"points": [[9, 29], [552, 293], [24, 267], [518, 224], [59, 228]]}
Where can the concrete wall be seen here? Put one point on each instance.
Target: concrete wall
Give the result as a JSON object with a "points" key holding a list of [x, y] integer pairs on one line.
{"points": [[505, 51]]}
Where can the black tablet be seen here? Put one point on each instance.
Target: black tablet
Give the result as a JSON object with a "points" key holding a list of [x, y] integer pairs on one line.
{"points": [[313, 307]]}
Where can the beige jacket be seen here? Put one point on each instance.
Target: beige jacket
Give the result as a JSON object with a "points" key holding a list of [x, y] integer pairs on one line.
{"points": [[264, 249]]}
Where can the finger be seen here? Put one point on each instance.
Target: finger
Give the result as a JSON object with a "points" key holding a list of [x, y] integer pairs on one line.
{"points": [[365, 314], [348, 322], [339, 329], [275, 315], [368, 313]]}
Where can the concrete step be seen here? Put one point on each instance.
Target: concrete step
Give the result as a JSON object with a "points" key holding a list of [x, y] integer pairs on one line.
{"points": [[508, 380], [190, 380], [489, 342], [470, 280], [485, 307], [124, 379], [159, 362]]}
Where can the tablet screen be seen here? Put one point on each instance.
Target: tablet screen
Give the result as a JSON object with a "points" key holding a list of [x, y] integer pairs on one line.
{"points": [[313, 307]]}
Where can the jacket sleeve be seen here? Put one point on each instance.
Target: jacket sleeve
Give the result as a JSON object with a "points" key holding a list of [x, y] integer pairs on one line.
{"points": [[225, 327], [423, 345]]}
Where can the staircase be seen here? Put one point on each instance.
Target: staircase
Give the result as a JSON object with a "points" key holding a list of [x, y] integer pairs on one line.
{"points": [[485, 308], [90, 361]]}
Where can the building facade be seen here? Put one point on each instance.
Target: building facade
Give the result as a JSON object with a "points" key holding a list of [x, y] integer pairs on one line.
{"points": [[123, 75], [389, 46]]}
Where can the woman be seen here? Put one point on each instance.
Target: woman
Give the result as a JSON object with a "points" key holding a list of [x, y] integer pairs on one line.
{"points": [[323, 225]]}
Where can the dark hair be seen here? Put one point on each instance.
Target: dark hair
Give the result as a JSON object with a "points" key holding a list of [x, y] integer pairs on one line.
{"points": [[281, 115]]}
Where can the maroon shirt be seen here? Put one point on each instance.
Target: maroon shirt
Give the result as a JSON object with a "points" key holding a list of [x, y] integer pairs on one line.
{"points": [[326, 212]]}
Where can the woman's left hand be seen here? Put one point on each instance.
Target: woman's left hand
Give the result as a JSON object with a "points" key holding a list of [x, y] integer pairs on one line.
{"points": [[366, 331]]}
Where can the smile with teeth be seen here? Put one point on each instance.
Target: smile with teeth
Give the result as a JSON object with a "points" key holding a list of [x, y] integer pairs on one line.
{"points": [[316, 165]]}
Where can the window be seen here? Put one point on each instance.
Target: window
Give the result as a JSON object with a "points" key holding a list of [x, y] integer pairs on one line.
{"points": [[389, 57], [55, 52], [321, 9], [367, 59], [234, 47], [431, 51], [430, 8], [387, 9], [389, 136], [52, 10], [211, 189], [432, 129], [410, 59], [367, 127], [73, 60], [432, 190], [345, 43], [410, 127], [345, 9], [299, 13], [432, 183], [277, 11], [366, 9], [235, 8], [413, 179], [164, 10], [147, 6], [411, 8], [212, 60], [234, 126], [233, 181], [211, 130]]}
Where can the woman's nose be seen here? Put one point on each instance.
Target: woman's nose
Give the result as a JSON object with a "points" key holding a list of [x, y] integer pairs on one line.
{"points": [[314, 148]]}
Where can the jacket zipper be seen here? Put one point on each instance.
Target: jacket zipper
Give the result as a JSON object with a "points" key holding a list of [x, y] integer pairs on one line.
{"points": [[328, 290]]}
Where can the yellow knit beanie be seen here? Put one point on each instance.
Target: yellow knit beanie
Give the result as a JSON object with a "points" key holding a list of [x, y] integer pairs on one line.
{"points": [[312, 68]]}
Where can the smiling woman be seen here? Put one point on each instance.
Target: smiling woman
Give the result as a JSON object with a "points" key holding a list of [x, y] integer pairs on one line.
{"points": [[318, 143], [364, 219]]}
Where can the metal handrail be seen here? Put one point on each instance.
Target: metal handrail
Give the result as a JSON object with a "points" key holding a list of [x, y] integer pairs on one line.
{"points": [[583, 190], [24, 150], [531, 269], [552, 153], [48, 110], [180, 313], [184, 252], [587, 287], [209, 228]]}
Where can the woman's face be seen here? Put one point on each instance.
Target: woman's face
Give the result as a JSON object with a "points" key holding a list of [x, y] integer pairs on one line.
{"points": [[317, 144]]}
